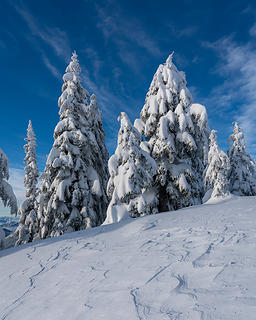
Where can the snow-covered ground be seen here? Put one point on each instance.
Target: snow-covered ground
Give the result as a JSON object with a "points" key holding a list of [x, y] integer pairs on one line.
{"points": [[195, 263]]}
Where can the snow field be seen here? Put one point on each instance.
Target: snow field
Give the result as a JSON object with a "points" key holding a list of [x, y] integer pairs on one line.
{"points": [[195, 263]]}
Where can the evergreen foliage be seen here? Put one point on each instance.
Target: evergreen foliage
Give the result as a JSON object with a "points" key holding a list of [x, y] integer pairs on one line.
{"points": [[131, 169], [6, 193], [72, 195], [242, 174], [215, 178], [28, 224], [176, 133]]}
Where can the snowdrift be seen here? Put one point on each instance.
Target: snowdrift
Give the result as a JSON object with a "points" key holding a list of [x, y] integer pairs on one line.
{"points": [[195, 263]]}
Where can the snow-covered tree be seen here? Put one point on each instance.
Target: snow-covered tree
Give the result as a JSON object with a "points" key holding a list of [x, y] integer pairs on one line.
{"points": [[242, 174], [176, 133], [131, 169], [72, 194], [6, 193], [99, 154], [215, 177], [28, 224]]}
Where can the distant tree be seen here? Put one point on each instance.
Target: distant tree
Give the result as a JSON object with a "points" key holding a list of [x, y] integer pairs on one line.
{"points": [[72, 194], [242, 174], [215, 177], [176, 134], [131, 169], [28, 224], [2, 238], [6, 193]]}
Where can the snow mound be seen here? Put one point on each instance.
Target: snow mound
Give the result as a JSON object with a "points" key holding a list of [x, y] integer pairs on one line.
{"points": [[195, 263]]}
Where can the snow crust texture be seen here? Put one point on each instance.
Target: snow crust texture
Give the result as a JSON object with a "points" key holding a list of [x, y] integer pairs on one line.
{"points": [[195, 263]]}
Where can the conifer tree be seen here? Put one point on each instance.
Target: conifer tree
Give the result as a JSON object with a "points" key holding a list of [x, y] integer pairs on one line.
{"points": [[176, 133], [72, 196], [6, 193], [99, 156], [28, 224], [2, 238], [215, 178], [242, 174], [131, 169]]}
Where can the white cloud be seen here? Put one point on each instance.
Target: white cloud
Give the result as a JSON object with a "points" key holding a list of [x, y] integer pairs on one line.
{"points": [[237, 93]]}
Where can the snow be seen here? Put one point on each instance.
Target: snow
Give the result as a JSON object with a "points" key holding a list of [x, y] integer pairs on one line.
{"points": [[176, 131], [139, 125], [95, 181], [195, 263], [116, 213], [7, 195]]}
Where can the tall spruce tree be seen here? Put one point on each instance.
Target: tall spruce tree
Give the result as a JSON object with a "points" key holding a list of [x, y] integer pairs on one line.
{"points": [[99, 156], [131, 169], [72, 195], [242, 174], [215, 177], [176, 133], [28, 224]]}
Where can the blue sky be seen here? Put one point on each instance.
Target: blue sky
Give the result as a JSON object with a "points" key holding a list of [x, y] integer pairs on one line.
{"points": [[120, 45]]}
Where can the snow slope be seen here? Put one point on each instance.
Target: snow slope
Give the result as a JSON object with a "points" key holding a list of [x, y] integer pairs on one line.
{"points": [[195, 263]]}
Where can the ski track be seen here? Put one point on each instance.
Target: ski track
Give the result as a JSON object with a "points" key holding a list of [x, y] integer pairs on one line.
{"points": [[150, 269]]}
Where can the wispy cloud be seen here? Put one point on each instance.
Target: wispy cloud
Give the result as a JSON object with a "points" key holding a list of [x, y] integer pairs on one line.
{"points": [[51, 67], [237, 66], [94, 59], [252, 31], [125, 34], [183, 32], [55, 38], [114, 25]]}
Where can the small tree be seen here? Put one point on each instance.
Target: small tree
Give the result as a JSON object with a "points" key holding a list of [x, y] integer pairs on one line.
{"points": [[131, 169], [242, 174], [28, 224], [6, 193], [215, 177]]}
